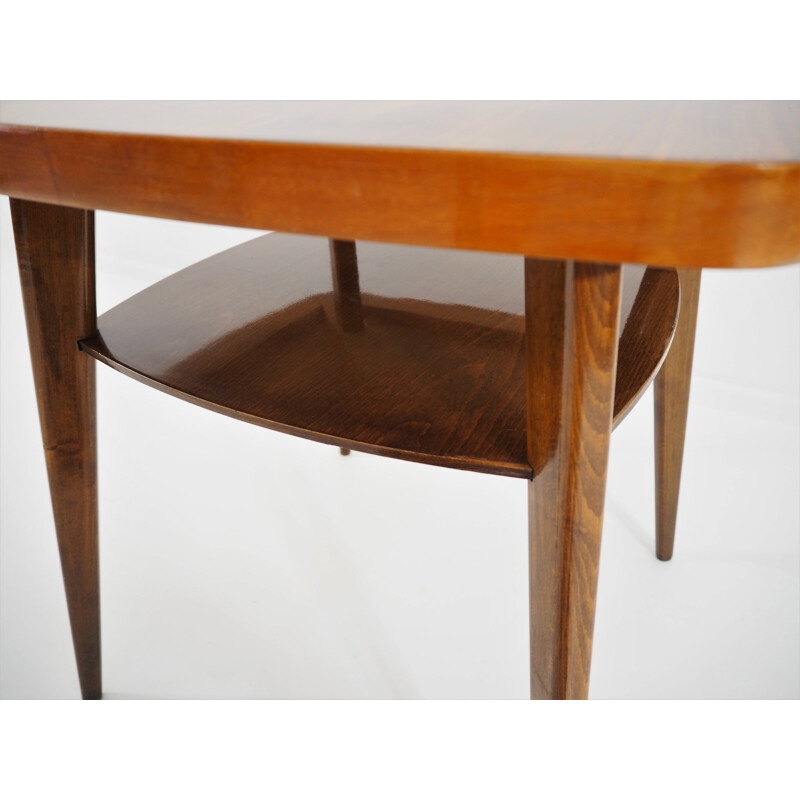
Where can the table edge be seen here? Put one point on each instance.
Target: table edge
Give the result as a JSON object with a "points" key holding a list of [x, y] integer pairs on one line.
{"points": [[660, 212]]}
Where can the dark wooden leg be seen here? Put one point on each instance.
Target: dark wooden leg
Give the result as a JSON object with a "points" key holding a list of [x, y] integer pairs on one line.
{"points": [[572, 317], [55, 250], [671, 408], [346, 291]]}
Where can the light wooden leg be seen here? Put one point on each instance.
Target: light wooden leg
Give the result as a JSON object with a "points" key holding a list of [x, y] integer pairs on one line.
{"points": [[671, 408], [572, 318], [55, 250]]}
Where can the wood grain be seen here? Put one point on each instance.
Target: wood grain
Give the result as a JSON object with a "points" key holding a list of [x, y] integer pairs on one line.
{"points": [[346, 289], [408, 352], [572, 319], [714, 131], [433, 371], [671, 398], [55, 251], [651, 319], [738, 210]]}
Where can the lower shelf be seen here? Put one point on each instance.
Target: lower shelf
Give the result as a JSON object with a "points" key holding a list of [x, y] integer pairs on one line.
{"points": [[419, 354]]}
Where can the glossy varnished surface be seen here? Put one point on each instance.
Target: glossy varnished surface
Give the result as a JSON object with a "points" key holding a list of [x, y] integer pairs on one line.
{"points": [[717, 131], [671, 410], [692, 185], [419, 356], [572, 319], [55, 251]]}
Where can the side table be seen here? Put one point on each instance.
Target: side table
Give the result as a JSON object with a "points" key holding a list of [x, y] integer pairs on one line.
{"points": [[446, 288]]}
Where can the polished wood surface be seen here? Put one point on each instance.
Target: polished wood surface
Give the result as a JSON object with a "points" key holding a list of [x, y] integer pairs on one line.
{"points": [[346, 291], [715, 131], [346, 288], [428, 363], [572, 319], [649, 319], [686, 185], [55, 250], [671, 398], [476, 360]]}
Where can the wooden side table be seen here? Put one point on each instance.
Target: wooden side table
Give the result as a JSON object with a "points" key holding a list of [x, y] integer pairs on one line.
{"points": [[447, 288]]}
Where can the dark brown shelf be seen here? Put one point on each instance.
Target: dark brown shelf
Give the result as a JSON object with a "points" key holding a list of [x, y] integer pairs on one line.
{"points": [[426, 364]]}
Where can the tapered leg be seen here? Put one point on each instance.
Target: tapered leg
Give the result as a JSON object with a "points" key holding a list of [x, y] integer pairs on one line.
{"points": [[671, 408], [572, 317], [55, 250], [346, 290]]}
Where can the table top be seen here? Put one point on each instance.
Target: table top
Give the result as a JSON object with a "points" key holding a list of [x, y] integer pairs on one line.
{"points": [[721, 131], [673, 183]]}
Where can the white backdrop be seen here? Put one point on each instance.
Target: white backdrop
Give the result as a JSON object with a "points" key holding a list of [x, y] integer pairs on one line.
{"points": [[237, 562]]}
